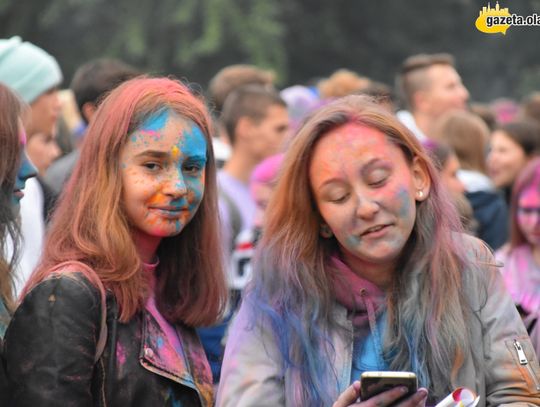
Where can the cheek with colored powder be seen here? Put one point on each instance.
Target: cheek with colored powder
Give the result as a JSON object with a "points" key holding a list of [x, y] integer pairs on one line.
{"points": [[352, 241], [158, 199], [404, 203]]}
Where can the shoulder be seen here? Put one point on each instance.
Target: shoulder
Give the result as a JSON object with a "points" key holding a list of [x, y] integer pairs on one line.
{"points": [[69, 288], [475, 250], [63, 305], [480, 266]]}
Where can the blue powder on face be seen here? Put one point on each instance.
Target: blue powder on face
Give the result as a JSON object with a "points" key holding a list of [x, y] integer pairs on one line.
{"points": [[156, 122], [194, 147], [405, 207], [194, 143]]}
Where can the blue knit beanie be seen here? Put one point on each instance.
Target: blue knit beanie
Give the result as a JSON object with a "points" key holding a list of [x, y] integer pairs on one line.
{"points": [[27, 69]]}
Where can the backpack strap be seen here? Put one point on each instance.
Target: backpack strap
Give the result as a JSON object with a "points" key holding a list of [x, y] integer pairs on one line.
{"points": [[234, 215], [73, 266]]}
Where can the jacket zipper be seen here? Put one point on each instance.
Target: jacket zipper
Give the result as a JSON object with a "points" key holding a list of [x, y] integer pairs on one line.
{"points": [[523, 361]]}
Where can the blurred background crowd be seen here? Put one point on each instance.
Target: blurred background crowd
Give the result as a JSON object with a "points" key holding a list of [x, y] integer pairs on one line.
{"points": [[472, 99]]}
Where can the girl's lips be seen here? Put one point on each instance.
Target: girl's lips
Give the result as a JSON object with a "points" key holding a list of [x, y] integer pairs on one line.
{"points": [[169, 212], [377, 231]]}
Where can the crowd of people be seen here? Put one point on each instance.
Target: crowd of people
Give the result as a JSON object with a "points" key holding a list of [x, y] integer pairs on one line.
{"points": [[253, 246]]}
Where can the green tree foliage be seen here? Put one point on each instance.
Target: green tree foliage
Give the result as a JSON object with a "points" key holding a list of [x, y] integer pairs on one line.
{"points": [[299, 39], [189, 38]]}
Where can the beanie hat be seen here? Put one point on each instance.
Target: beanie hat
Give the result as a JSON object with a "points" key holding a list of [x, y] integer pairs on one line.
{"points": [[27, 69]]}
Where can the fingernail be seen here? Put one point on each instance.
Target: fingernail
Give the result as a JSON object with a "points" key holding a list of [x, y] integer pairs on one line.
{"points": [[403, 389]]}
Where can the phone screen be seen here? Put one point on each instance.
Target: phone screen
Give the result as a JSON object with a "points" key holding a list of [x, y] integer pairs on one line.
{"points": [[373, 383]]}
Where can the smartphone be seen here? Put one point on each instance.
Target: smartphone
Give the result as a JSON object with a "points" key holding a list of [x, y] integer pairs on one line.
{"points": [[373, 383]]}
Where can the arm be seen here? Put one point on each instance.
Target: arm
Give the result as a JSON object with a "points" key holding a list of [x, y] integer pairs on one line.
{"points": [[50, 344], [251, 372], [510, 379]]}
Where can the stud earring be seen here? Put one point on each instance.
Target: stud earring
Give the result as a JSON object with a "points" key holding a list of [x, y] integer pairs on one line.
{"points": [[420, 194], [325, 231]]}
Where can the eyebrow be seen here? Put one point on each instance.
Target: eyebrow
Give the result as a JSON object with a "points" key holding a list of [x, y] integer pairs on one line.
{"points": [[152, 153]]}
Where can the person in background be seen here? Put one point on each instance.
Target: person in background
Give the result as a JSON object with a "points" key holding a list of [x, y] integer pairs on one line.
{"points": [[70, 125], [261, 185], [530, 107], [233, 77], [382, 93], [222, 84], [483, 110], [521, 255], [430, 87], [301, 101], [131, 264], [512, 145], [43, 149], [447, 163], [505, 110], [35, 76], [362, 267], [15, 169], [341, 83], [468, 135], [257, 123], [91, 82]]}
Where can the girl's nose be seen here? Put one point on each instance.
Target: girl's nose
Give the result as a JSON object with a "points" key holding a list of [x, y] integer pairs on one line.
{"points": [[366, 207]]}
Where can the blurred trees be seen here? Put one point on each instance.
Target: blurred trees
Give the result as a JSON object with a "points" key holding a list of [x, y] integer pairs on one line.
{"points": [[299, 39]]}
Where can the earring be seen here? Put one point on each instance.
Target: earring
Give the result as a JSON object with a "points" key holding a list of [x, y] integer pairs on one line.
{"points": [[325, 231], [420, 194]]}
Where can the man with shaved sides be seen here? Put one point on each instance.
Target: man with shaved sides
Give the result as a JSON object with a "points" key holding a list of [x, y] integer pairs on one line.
{"points": [[430, 87]]}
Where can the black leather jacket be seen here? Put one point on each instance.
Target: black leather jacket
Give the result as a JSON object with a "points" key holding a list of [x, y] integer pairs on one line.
{"points": [[50, 347]]}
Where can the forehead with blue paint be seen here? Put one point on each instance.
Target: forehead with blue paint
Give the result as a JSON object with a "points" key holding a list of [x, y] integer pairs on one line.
{"points": [[155, 122], [191, 141], [194, 143]]}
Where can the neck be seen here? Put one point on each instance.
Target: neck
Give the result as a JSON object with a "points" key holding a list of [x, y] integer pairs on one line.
{"points": [[380, 275], [146, 245], [240, 166], [424, 122]]}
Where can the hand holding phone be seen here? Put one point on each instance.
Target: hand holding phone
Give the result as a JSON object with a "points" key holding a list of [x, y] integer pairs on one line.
{"points": [[373, 383]]}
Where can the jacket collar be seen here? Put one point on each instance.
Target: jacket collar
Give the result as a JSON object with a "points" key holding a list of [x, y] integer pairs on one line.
{"points": [[159, 356]]}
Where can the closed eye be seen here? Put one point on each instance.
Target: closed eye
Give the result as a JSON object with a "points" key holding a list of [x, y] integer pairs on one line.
{"points": [[378, 183], [377, 177], [339, 199]]}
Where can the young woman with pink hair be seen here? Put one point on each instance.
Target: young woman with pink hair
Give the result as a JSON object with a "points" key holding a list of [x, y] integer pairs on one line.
{"points": [[136, 227]]}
